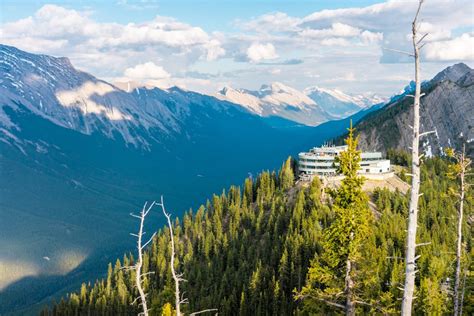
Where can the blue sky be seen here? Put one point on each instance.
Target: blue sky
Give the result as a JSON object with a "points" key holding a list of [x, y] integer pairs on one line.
{"points": [[205, 45]]}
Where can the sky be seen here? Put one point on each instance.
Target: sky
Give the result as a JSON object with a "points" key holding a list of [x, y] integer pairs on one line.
{"points": [[206, 45]]}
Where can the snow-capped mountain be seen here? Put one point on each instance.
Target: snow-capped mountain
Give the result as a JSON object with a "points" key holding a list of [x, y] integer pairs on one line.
{"points": [[339, 104], [77, 154], [52, 88], [311, 107], [279, 100]]}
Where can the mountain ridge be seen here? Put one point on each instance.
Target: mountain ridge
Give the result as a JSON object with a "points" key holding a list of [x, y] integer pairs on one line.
{"points": [[79, 182], [311, 107], [447, 111]]}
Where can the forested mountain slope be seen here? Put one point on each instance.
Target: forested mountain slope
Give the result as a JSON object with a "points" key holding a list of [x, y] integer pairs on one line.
{"points": [[77, 154], [247, 252]]}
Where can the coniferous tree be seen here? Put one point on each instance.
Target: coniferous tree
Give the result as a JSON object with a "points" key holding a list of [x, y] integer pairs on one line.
{"points": [[332, 277]]}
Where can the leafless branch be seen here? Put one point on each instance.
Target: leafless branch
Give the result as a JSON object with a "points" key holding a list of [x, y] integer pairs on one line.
{"points": [[427, 133], [399, 51], [177, 278], [204, 311], [139, 264], [423, 244]]}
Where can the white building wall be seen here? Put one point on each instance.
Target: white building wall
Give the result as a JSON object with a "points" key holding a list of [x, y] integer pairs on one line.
{"points": [[321, 161]]}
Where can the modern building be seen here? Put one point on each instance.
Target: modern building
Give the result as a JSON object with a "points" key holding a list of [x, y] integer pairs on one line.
{"points": [[320, 161]]}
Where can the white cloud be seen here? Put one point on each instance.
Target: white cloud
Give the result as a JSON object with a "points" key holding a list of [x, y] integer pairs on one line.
{"points": [[335, 41], [459, 48], [385, 24], [435, 32], [258, 52], [146, 71], [368, 37], [214, 50], [336, 30], [56, 30], [274, 22]]}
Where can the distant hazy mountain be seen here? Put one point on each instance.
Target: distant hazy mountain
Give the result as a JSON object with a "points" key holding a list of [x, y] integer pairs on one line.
{"points": [[77, 154], [278, 100], [311, 107], [339, 104], [447, 109]]}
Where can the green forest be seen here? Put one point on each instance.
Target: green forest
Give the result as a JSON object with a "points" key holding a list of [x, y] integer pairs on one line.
{"points": [[276, 246]]}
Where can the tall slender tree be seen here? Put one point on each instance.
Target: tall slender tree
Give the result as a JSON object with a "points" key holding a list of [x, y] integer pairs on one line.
{"points": [[410, 254], [461, 169], [331, 277], [139, 276], [177, 277]]}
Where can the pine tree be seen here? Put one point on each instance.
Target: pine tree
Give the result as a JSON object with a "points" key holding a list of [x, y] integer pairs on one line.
{"points": [[286, 177], [332, 275]]}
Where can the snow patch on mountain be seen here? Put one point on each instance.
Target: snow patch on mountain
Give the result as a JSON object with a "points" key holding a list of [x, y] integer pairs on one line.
{"points": [[52, 88], [81, 98], [340, 104], [277, 99]]}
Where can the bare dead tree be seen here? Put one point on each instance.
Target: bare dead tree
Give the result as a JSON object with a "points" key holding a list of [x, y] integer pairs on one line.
{"points": [[410, 256], [461, 170], [177, 277], [139, 264]]}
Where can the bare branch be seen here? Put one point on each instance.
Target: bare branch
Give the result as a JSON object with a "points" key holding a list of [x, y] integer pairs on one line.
{"points": [[149, 240], [204, 311], [423, 244], [421, 46], [422, 38], [427, 133], [139, 264], [399, 51], [145, 274]]}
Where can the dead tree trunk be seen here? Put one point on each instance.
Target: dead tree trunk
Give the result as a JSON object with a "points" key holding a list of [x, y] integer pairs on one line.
{"points": [[139, 264], [463, 165], [177, 278], [410, 265], [349, 284], [459, 249]]}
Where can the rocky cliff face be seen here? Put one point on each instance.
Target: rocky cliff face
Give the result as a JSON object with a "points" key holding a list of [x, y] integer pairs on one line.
{"points": [[447, 109]]}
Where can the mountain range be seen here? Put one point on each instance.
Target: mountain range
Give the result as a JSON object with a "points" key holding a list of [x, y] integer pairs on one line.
{"points": [[311, 107], [78, 154]]}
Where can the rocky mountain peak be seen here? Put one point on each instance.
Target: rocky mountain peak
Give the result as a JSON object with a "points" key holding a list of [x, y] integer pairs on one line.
{"points": [[452, 73]]}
